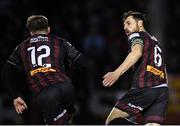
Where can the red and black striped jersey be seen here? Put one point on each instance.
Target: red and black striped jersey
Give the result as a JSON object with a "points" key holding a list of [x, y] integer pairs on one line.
{"points": [[150, 70], [42, 57]]}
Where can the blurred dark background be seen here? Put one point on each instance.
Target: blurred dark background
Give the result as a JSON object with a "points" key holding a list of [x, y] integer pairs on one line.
{"points": [[95, 28]]}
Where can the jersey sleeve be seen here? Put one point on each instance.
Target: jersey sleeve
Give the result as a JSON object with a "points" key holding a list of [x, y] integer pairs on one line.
{"points": [[14, 58], [72, 53], [9, 73], [8, 77], [135, 38]]}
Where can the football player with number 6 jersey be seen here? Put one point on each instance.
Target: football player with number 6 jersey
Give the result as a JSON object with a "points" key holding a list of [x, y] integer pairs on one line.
{"points": [[149, 91]]}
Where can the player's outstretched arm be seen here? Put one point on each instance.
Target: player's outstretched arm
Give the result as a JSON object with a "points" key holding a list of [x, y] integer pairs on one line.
{"points": [[19, 105], [111, 77]]}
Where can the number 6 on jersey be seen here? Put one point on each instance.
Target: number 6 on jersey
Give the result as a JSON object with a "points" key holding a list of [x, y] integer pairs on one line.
{"points": [[157, 56]]}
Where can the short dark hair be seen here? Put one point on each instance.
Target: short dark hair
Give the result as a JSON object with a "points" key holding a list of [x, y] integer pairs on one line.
{"points": [[136, 15], [37, 22]]}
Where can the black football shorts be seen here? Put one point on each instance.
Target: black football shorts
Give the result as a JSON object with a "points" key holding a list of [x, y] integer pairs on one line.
{"points": [[56, 102], [151, 102]]}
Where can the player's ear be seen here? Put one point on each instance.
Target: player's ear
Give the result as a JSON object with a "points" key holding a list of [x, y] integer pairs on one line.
{"points": [[49, 29], [31, 33], [140, 23]]}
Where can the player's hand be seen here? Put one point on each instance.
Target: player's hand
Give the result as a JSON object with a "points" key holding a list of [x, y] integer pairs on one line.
{"points": [[110, 78], [19, 105]]}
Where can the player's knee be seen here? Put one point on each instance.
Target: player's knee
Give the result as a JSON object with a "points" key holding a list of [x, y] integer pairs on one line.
{"points": [[119, 113], [116, 113], [152, 124]]}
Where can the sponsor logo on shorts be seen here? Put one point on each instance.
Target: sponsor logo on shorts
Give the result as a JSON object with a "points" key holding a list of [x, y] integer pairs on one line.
{"points": [[155, 71], [133, 106], [60, 115], [42, 69]]}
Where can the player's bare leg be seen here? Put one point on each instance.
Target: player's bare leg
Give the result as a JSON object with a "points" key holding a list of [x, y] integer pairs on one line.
{"points": [[116, 113], [152, 124]]}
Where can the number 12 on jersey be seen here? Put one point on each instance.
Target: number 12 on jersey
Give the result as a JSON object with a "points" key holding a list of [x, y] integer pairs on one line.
{"points": [[37, 60]]}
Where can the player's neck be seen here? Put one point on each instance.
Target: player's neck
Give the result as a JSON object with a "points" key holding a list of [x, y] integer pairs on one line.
{"points": [[39, 32]]}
